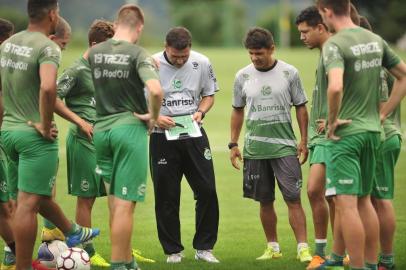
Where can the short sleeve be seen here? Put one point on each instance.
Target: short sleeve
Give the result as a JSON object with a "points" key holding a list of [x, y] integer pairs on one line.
{"points": [[146, 68], [209, 81], [239, 99], [66, 82], [332, 57], [50, 55], [296, 90], [390, 58]]}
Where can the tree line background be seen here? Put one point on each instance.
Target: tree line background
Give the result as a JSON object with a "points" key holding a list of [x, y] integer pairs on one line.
{"points": [[213, 22]]}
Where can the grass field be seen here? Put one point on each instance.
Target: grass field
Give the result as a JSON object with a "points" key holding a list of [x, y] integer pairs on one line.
{"points": [[240, 238]]}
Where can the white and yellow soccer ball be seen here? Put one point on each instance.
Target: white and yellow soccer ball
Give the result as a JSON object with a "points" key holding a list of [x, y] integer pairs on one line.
{"points": [[73, 259], [49, 252]]}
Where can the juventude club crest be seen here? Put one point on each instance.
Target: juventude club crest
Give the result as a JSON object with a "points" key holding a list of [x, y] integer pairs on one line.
{"points": [[207, 153], [177, 84], [84, 185], [266, 90]]}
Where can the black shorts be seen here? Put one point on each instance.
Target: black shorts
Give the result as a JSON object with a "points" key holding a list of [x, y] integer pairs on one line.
{"points": [[260, 174]]}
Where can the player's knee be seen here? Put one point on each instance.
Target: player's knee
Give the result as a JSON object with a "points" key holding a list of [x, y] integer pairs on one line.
{"points": [[315, 195]]}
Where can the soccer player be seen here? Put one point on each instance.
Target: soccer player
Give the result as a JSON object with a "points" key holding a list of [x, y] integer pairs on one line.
{"points": [[189, 85], [8, 263], [120, 70], [62, 33], [314, 33], [353, 58], [29, 62], [61, 37], [267, 89], [75, 85], [383, 189]]}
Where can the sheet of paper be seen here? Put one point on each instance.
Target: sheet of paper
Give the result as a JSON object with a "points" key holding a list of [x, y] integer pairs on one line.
{"points": [[185, 128]]}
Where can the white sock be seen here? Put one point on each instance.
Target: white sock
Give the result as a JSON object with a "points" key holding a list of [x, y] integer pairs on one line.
{"points": [[274, 246], [301, 245]]}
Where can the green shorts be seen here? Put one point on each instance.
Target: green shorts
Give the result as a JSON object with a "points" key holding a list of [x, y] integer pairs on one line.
{"points": [[351, 163], [35, 159], [387, 157], [4, 196], [12, 180], [122, 160], [81, 164], [317, 154]]}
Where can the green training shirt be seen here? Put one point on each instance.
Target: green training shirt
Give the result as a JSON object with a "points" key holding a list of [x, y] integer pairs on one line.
{"points": [[20, 59], [361, 54], [119, 71], [319, 105], [268, 97], [75, 85]]}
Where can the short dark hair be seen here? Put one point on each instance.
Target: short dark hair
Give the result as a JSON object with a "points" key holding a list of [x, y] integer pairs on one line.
{"points": [[38, 9], [131, 15], [6, 29], [364, 23], [339, 7], [178, 38], [310, 16], [99, 31], [258, 38], [62, 27]]}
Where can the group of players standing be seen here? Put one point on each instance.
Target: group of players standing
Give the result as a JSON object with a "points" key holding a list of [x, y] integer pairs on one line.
{"points": [[107, 143]]}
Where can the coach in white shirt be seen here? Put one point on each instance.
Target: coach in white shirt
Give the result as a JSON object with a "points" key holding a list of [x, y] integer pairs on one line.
{"points": [[189, 86]]}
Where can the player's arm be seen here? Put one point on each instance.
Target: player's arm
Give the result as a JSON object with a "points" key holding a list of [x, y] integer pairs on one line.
{"points": [[204, 106], [302, 117], [398, 91], [155, 98], [63, 111], [237, 120], [47, 97]]}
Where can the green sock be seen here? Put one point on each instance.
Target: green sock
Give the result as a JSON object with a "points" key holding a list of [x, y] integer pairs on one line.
{"points": [[75, 229], [371, 266], [48, 224], [387, 259], [131, 265], [89, 248], [9, 258], [321, 247], [336, 258], [118, 266]]}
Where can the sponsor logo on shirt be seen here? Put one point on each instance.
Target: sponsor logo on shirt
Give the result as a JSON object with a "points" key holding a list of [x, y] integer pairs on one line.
{"points": [[178, 102], [111, 74], [112, 59], [364, 64], [366, 48], [267, 108], [195, 65], [12, 64], [17, 50]]}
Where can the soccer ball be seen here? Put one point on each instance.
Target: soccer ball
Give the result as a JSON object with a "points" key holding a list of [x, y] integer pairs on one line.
{"points": [[73, 259], [48, 252]]}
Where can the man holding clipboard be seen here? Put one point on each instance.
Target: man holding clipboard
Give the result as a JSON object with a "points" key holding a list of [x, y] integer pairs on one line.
{"points": [[179, 146]]}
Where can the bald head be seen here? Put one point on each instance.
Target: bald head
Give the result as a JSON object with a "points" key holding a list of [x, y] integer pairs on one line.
{"points": [[62, 33]]}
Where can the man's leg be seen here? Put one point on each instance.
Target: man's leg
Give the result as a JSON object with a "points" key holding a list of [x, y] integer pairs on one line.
{"points": [[269, 221], [84, 207], [25, 228], [316, 193], [122, 218], [371, 226], [166, 171], [352, 228]]}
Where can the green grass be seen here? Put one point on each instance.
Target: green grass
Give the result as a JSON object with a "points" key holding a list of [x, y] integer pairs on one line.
{"points": [[240, 238]]}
